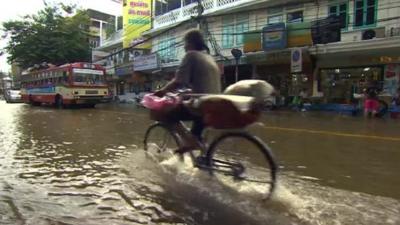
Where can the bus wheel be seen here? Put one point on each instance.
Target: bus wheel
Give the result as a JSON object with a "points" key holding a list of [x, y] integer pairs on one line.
{"points": [[59, 102]]}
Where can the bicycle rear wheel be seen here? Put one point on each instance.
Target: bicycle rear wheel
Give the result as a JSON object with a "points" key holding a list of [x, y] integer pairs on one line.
{"points": [[243, 162], [160, 142]]}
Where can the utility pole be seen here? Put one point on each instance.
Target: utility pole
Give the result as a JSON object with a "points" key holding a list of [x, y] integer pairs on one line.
{"points": [[200, 10]]}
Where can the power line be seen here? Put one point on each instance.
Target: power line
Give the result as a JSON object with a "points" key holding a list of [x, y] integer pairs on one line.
{"points": [[142, 42], [216, 28], [253, 22]]}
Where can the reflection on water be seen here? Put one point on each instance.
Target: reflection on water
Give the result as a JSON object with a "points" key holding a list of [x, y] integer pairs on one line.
{"points": [[87, 166]]}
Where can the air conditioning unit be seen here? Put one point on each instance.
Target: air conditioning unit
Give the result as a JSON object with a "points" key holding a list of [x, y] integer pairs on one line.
{"points": [[373, 33]]}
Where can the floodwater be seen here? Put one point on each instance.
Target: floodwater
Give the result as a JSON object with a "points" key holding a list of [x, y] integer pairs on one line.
{"points": [[87, 166]]}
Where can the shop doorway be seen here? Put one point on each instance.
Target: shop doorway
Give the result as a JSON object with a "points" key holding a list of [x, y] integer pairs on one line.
{"points": [[245, 72], [121, 88]]}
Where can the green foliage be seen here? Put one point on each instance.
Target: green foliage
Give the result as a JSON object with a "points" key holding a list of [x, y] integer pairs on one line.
{"points": [[54, 35], [110, 30]]}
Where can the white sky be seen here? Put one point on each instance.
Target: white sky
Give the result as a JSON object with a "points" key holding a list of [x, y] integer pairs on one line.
{"points": [[15, 9]]}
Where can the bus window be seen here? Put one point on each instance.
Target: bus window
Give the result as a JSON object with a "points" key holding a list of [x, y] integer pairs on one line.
{"points": [[65, 77]]}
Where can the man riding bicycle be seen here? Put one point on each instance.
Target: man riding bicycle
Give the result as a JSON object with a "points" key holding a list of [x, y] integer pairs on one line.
{"points": [[199, 72]]}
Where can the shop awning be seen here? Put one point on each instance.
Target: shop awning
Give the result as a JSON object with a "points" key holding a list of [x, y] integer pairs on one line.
{"points": [[378, 51]]}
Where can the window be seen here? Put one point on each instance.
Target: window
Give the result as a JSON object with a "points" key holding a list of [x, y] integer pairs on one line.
{"points": [[234, 24], [65, 76], [290, 14], [174, 4], [167, 49], [295, 17], [163, 6], [187, 2], [228, 24], [365, 13], [275, 19], [341, 11], [242, 25]]}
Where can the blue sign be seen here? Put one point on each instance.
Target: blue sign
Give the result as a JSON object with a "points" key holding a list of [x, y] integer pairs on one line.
{"points": [[124, 70], [44, 89], [274, 37]]}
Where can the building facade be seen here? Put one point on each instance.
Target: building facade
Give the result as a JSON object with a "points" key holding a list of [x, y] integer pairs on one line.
{"points": [[344, 45], [100, 25]]}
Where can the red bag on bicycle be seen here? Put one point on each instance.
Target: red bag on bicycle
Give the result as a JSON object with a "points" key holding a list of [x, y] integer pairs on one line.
{"points": [[160, 107], [220, 112]]}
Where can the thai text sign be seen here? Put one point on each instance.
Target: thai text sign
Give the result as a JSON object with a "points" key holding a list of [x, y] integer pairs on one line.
{"points": [[146, 62], [137, 19]]}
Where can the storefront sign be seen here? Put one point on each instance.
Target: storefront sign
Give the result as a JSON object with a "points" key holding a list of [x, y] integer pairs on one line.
{"points": [[299, 35], [124, 70], [391, 78], [296, 60], [110, 71], [146, 62], [252, 41], [274, 37], [280, 57], [137, 19]]}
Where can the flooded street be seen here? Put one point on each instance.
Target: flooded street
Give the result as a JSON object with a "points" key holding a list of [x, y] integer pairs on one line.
{"points": [[87, 166]]}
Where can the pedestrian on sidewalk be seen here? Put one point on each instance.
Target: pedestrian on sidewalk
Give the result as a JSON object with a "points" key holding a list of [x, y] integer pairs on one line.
{"points": [[396, 98], [371, 103]]}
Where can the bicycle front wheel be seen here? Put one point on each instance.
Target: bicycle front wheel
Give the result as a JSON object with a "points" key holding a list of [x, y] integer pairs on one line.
{"points": [[243, 162], [160, 142]]}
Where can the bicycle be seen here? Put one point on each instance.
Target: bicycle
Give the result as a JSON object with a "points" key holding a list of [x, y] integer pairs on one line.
{"points": [[218, 158]]}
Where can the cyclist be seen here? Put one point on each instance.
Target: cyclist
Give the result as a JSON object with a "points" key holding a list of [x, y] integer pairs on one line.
{"points": [[199, 72]]}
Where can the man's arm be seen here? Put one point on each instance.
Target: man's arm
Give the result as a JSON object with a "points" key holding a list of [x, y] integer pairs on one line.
{"points": [[171, 86]]}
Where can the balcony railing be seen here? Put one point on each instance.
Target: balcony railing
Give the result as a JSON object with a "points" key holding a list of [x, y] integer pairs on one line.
{"points": [[186, 12]]}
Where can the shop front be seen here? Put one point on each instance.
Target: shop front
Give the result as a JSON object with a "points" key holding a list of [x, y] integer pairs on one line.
{"points": [[271, 55], [123, 74], [276, 69], [149, 73], [344, 70], [340, 85], [228, 71]]}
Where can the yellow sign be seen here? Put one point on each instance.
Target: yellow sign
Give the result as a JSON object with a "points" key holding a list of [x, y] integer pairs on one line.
{"points": [[137, 19]]}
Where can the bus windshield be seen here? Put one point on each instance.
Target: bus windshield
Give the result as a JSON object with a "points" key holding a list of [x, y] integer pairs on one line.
{"points": [[88, 76]]}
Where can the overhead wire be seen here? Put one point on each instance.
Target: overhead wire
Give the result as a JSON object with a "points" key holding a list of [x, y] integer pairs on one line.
{"points": [[250, 27]]}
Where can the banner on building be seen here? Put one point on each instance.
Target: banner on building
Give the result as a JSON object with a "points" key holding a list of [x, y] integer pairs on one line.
{"points": [[274, 37], [252, 41], [296, 60], [326, 30], [391, 79], [137, 19], [299, 34], [146, 62]]}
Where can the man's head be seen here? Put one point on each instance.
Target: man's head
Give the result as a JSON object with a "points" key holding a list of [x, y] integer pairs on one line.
{"points": [[194, 41]]}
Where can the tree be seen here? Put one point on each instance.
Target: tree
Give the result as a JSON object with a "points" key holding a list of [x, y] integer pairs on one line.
{"points": [[54, 35]]}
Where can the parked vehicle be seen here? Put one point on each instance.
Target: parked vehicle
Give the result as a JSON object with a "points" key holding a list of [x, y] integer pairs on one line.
{"points": [[13, 96]]}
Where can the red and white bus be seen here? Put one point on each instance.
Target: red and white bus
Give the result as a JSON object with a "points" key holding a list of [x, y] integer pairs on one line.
{"points": [[70, 84]]}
